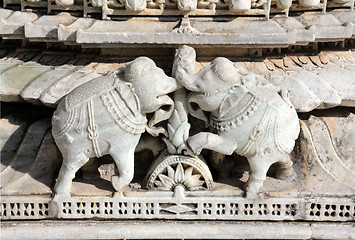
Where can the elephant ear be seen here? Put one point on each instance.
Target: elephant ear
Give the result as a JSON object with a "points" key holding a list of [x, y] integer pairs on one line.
{"points": [[231, 101]]}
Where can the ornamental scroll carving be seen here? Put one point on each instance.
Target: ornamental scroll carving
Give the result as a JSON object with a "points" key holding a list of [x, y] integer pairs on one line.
{"points": [[244, 112]]}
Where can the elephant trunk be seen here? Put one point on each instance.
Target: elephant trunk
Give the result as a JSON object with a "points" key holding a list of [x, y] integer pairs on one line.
{"points": [[163, 113], [184, 68]]}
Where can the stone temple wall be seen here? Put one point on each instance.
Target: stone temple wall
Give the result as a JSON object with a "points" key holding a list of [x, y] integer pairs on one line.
{"points": [[135, 119]]}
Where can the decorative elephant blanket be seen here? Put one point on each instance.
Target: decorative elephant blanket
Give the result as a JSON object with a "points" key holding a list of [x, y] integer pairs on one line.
{"points": [[118, 100]]}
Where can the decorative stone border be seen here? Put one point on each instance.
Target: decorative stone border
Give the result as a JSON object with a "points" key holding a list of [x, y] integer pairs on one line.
{"points": [[166, 205], [174, 230]]}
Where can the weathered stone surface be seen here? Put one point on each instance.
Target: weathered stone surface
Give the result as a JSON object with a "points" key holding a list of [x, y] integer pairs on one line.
{"points": [[313, 81], [326, 26], [32, 92], [315, 78], [346, 18], [323, 188], [324, 164], [278, 31], [339, 74], [14, 24], [340, 125], [174, 230], [38, 177], [47, 26], [13, 80], [25, 154], [299, 91], [53, 94], [14, 58], [4, 13], [68, 33], [301, 34], [240, 31], [12, 131]]}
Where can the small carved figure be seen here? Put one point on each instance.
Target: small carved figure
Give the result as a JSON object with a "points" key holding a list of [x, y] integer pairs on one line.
{"points": [[186, 5], [107, 116], [246, 113], [239, 5], [135, 5]]}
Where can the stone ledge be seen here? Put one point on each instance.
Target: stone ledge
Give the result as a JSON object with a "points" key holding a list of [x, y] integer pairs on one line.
{"points": [[245, 32], [174, 230]]}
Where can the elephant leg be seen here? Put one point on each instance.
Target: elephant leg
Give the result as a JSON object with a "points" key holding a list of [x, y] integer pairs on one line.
{"points": [[124, 160], [217, 158], [90, 170], [67, 173], [214, 142], [286, 171], [259, 167]]}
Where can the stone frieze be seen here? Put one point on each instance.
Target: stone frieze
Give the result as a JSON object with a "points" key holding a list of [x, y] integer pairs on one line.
{"points": [[172, 180]]}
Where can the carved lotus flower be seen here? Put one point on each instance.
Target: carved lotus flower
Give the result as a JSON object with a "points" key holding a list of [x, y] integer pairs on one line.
{"points": [[179, 176], [178, 131]]}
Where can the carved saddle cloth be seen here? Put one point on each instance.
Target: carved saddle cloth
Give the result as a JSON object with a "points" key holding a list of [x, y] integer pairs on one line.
{"points": [[235, 109], [118, 98]]}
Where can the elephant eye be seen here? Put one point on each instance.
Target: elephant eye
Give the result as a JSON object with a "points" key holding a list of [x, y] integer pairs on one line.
{"points": [[194, 106]]}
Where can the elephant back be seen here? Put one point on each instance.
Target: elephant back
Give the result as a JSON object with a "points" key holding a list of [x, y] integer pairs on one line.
{"points": [[88, 91], [104, 96]]}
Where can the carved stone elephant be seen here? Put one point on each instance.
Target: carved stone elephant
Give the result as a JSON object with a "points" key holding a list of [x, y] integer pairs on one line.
{"points": [[246, 113], [107, 115]]}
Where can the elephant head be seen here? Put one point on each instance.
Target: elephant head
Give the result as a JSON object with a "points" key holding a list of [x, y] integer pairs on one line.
{"points": [[107, 115], [151, 86], [246, 114], [213, 88]]}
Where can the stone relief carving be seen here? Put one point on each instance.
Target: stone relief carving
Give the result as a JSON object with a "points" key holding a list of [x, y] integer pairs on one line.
{"points": [[247, 115], [107, 116], [65, 55], [178, 185]]}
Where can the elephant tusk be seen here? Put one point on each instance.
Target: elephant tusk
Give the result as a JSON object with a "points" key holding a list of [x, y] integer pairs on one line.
{"points": [[161, 114]]}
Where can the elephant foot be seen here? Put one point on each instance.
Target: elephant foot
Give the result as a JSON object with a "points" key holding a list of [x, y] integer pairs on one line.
{"points": [[286, 174], [61, 192], [118, 195], [253, 195], [118, 185], [186, 150], [252, 189], [194, 148], [61, 197], [286, 171]]}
